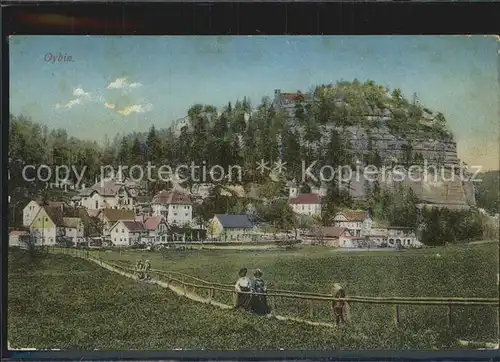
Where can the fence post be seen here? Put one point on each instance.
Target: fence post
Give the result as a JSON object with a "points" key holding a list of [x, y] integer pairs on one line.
{"points": [[210, 294], [449, 315], [311, 309], [273, 305], [397, 319]]}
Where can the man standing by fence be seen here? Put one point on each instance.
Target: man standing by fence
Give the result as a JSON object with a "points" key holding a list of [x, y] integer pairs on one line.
{"points": [[339, 306], [147, 270]]}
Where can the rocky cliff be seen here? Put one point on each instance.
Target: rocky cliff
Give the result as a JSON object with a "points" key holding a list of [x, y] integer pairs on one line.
{"points": [[372, 132]]}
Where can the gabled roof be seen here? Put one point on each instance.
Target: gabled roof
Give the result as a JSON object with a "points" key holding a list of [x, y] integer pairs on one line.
{"points": [[229, 221], [55, 214], [18, 233], [150, 222], [58, 214], [133, 225], [49, 203], [354, 215], [71, 222], [106, 188], [326, 231], [173, 197], [118, 214], [311, 199]]}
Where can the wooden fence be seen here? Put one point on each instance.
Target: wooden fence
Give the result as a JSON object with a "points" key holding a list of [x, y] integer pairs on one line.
{"points": [[295, 304]]}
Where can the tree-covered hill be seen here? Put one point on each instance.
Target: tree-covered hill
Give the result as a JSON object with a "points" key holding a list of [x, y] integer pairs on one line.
{"points": [[241, 134]]}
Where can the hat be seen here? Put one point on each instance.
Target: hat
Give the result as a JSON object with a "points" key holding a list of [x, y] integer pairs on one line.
{"points": [[243, 272], [258, 273]]}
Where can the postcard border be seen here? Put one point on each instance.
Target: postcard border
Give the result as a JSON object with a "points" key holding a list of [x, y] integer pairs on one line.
{"points": [[236, 19]]}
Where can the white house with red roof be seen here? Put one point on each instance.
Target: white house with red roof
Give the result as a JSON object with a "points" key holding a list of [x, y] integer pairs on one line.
{"points": [[306, 204], [357, 221], [338, 237], [155, 226], [19, 238], [175, 206]]}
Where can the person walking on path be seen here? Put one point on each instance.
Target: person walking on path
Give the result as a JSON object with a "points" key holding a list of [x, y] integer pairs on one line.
{"points": [[140, 266], [243, 288], [259, 304], [340, 307], [147, 270]]}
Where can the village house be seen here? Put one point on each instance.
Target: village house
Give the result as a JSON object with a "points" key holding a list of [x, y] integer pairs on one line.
{"points": [[226, 227], [175, 206], [56, 224], [155, 226], [333, 236], [74, 229], [404, 236], [127, 233], [306, 204], [34, 206], [357, 222], [48, 226], [106, 195], [324, 235], [19, 238], [377, 236], [110, 217]]}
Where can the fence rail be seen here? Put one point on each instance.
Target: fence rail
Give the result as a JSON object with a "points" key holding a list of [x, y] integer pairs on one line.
{"points": [[225, 293]]}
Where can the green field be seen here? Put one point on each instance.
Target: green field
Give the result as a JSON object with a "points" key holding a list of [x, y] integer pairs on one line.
{"points": [[64, 302]]}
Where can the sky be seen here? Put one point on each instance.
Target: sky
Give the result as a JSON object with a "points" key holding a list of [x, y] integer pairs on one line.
{"points": [[94, 86]]}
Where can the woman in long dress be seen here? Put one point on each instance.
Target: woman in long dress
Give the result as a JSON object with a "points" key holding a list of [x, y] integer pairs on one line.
{"points": [[259, 300], [243, 288]]}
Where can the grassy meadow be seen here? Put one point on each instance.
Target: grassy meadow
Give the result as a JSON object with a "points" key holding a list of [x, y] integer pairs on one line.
{"points": [[62, 302]]}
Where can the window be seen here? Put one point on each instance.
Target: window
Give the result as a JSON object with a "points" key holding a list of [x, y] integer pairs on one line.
{"points": [[123, 231], [175, 214], [97, 204], [186, 214]]}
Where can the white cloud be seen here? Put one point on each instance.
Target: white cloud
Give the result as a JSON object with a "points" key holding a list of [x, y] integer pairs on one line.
{"points": [[123, 83], [81, 98], [136, 108], [79, 92], [69, 104]]}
